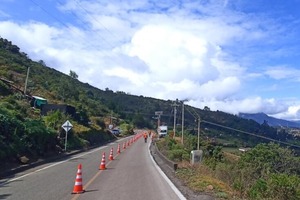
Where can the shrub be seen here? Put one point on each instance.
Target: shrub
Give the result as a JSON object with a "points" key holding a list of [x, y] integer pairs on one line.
{"points": [[11, 135], [39, 139], [258, 190], [283, 186], [177, 154], [4, 89]]}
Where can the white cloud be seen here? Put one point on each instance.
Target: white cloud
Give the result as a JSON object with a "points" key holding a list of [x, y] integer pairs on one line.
{"points": [[247, 105], [32, 36], [281, 72], [292, 113], [135, 47]]}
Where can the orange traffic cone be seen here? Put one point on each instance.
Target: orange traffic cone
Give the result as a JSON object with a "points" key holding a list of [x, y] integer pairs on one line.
{"points": [[119, 150], [78, 188], [102, 165], [111, 155], [124, 145]]}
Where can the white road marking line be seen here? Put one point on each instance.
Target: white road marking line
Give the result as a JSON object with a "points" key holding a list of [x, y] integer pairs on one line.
{"points": [[49, 166], [174, 188], [30, 173]]}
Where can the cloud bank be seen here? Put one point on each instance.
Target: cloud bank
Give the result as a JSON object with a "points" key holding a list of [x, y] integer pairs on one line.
{"points": [[203, 52]]}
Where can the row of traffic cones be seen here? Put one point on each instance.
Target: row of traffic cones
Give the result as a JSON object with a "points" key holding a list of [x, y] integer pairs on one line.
{"points": [[78, 187]]}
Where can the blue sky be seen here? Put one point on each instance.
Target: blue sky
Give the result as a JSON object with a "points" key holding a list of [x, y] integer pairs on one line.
{"points": [[230, 55]]}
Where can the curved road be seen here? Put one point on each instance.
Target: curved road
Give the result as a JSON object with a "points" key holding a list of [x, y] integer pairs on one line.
{"points": [[131, 175]]}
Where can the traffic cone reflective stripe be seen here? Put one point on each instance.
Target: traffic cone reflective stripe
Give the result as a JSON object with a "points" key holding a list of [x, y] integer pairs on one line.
{"points": [[111, 155], [119, 151], [78, 188], [102, 165]]}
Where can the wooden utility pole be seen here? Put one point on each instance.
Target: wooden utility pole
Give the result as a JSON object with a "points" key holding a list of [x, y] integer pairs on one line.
{"points": [[158, 114], [198, 143], [175, 105], [26, 81]]}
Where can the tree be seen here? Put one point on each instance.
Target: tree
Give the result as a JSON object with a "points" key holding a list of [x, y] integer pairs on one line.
{"points": [[270, 158], [42, 63], [206, 108], [266, 171], [73, 74]]}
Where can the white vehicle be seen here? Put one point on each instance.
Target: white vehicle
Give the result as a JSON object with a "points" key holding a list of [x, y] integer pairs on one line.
{"points": [[162, 131]]}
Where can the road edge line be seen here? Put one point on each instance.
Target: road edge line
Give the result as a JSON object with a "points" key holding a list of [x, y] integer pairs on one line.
{"points": [[174, 188]]}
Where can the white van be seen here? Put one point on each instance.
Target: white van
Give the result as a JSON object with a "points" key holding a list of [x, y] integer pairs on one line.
{"points": [[162, 131]]}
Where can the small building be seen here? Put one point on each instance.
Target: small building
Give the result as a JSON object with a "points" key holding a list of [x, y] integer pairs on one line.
{"points": [[66, 109], [242, 149], [37, 102]]}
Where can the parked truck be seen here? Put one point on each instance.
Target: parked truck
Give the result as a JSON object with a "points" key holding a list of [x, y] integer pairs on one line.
{"points": [[162, 131]]}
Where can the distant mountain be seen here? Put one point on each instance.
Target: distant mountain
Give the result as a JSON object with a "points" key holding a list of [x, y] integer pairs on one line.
{"points": [[261, 117]]}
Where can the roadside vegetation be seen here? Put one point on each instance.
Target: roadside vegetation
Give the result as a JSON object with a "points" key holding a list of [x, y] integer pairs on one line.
{"points": [[267, 171]]}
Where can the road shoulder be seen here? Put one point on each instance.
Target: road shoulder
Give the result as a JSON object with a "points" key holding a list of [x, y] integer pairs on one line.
{"points": [[170, 173]]}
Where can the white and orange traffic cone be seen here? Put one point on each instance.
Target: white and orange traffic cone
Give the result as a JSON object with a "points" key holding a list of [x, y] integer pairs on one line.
{"points": [[78, 188], [124, 145], [119, 150], [102, 165], [111, 155]]}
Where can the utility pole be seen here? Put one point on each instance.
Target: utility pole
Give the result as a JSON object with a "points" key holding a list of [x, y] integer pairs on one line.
{"points": [[182, 120], [198, 118], [198, 143], [175, 112], [158, 114], [25, 88], [182, 123]]}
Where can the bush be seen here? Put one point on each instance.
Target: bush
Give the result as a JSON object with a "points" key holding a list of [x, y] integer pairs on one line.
{"points": [[4, 89], [11, 135], [177, 154], [268, 171], [269, 158], [39, 139], [95, 137], [258, 190], [283, 186]]}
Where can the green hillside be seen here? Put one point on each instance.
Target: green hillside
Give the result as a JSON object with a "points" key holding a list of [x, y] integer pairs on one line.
{"points": [[24, 131]]}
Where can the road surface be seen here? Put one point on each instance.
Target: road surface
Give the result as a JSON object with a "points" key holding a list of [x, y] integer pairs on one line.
{"points": [[131, 175]]}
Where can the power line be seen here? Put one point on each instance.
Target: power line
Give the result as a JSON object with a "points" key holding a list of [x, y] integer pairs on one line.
{"points": [[245, 132], [48, 13], [77, 33], [116, 60], [252, 134], [85, 24], [109, 45], [96, 20], [194, 113]]}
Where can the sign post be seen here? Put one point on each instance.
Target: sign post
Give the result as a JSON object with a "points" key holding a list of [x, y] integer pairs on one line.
{"points": [[67, 126]]}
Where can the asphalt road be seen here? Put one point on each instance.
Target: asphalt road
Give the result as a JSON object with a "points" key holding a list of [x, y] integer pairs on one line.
{"points": [[131, 175]]}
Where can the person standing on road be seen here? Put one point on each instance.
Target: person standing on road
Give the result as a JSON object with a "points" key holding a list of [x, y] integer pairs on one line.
{"points": [[145, 136]]}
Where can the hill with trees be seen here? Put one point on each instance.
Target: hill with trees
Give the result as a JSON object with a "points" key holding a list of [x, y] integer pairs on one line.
{"points": [[264, 118], [24, 131]]}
